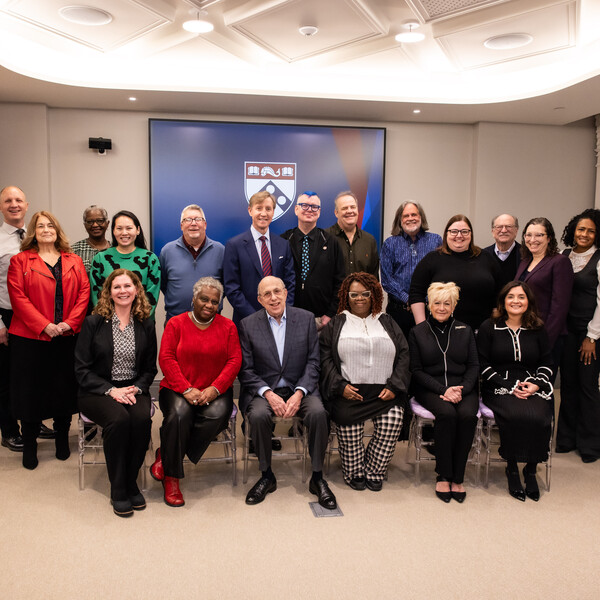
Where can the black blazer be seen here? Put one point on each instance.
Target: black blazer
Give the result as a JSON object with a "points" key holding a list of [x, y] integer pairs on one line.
{"points": [[94, 355]]}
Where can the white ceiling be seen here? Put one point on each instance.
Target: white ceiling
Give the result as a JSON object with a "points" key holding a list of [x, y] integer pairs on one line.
{"points": [[255, 62]]}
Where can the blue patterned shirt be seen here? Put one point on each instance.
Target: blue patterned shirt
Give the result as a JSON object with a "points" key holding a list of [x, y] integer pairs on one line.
{"points": [[399, 257]]}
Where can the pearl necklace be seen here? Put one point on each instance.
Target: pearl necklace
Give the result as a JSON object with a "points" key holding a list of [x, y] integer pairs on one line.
{"points": [[201, 322]]}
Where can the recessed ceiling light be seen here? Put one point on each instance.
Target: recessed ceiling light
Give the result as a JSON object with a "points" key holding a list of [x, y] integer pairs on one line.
{"points": [[85, 15], [132, 98], [198, 26], [416, 111], [508, 41], [410, 36], [308, 30]]}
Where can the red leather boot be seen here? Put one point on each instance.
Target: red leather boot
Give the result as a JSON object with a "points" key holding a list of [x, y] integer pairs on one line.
{"points": [[156, 470], [173, 496]]}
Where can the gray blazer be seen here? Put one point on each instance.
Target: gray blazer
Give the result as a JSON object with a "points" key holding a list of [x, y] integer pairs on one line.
{"points": [[260, 361]]}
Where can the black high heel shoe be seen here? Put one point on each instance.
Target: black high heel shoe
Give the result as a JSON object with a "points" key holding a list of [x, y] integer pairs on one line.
{"points": [[459, 496], [531, 485], [443, 496], [515, 489]]}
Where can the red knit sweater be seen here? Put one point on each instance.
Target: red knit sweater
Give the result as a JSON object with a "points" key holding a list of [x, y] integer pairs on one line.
{"points": [[190, 357]]}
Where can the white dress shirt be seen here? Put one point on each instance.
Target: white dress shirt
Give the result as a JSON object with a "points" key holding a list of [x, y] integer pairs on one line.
{"points": [[10, 244]]}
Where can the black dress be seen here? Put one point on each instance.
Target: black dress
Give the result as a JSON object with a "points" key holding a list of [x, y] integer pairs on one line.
{"points": [[507, 357], [443, 355]]}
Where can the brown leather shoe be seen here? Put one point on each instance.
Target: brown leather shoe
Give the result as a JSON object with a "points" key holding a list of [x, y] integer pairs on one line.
{"points": [[156, 470], [173, 495]]}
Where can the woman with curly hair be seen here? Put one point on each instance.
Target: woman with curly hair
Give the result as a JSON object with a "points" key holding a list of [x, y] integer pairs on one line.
{"points": [[115, 363], [579, 416], [364, 375], [550, 276], [49, 292], [516, 370]]}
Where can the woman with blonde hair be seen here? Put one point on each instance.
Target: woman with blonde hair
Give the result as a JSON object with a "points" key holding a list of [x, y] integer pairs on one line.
{"points": [[49, 292], [445, 371], [115, 364]]}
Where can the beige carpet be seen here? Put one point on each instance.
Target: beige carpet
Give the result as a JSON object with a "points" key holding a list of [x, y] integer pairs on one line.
{"points": [[402, 542]]}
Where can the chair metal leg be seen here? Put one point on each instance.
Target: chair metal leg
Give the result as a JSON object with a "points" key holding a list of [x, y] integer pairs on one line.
{"points": [[246, 450], [81, 450]]}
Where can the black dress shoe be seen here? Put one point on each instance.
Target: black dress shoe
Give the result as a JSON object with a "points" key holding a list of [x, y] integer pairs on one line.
{"points": [[588, 458], [374, 486], [138, 502], [443, 496], [532, 489], [14, 443], [122, 508], [515, 489], [325, 496], [357, 483], [459, 496], [259, 491], [46, 433]]}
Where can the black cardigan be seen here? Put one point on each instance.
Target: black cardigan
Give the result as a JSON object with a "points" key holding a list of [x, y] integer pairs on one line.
{"points": [[94, 355], [427, 361], [332, 383]]}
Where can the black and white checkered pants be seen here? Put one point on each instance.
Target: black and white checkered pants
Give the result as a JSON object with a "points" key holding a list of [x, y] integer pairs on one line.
{"points": [[373, 462]]}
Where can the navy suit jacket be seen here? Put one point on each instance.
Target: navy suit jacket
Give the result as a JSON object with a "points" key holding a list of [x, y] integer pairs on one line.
{"points": [[552, 282], [242, 272], [260, 361]]}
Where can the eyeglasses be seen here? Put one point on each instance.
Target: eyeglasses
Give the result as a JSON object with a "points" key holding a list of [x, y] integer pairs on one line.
{"points": [[507, 227], [534, 236], [455, 232], [271, 293], [190, 220], [91, 222], [306, 207], [355, 295]]}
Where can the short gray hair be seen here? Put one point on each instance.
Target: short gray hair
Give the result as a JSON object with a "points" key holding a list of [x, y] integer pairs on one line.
{"points": [[192, 207], [443, 291], [345, 193], [95, 207], [207, 282]]}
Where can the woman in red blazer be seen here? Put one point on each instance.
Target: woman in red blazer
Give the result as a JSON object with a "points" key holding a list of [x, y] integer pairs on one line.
{"points": [[49, 293]]}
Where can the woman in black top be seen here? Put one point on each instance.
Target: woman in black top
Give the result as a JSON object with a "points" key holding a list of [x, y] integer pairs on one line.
{"points": [[516, 361], [579, 416], [461, 261], [445, 370]]}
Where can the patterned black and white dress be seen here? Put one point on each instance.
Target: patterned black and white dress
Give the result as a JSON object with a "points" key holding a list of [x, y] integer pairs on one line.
{"points": [[506, 357]]}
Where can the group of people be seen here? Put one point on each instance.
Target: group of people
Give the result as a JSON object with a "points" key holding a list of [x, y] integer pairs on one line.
{"points": [[308, 339]]}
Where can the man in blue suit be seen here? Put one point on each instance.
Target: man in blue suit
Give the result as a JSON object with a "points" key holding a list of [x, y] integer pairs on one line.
{"points": [[280, 377], [253, 255]]}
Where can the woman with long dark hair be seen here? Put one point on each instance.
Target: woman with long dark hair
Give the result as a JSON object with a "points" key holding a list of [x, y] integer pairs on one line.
{"points": [[516, 372], [128, 251]]}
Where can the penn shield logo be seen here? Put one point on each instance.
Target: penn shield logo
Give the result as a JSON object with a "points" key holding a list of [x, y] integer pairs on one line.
{"points": [[276, 178]]}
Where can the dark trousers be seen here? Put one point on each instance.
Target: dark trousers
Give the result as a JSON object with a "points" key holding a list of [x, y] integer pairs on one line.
{"points": [[314, 418], [125, 435], [398, 312], [453, 432], [8, 424], [188, 429], [579, 415]]}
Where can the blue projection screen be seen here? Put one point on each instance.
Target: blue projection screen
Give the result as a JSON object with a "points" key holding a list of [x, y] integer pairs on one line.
{"points": [[220, 165]]}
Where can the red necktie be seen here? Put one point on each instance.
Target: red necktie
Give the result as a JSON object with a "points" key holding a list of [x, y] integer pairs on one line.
{"points": [[265, 257]]}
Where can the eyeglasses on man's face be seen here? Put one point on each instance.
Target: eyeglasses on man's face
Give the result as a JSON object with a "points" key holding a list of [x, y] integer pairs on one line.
{"points": [[190, 220], [501, 227]]}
